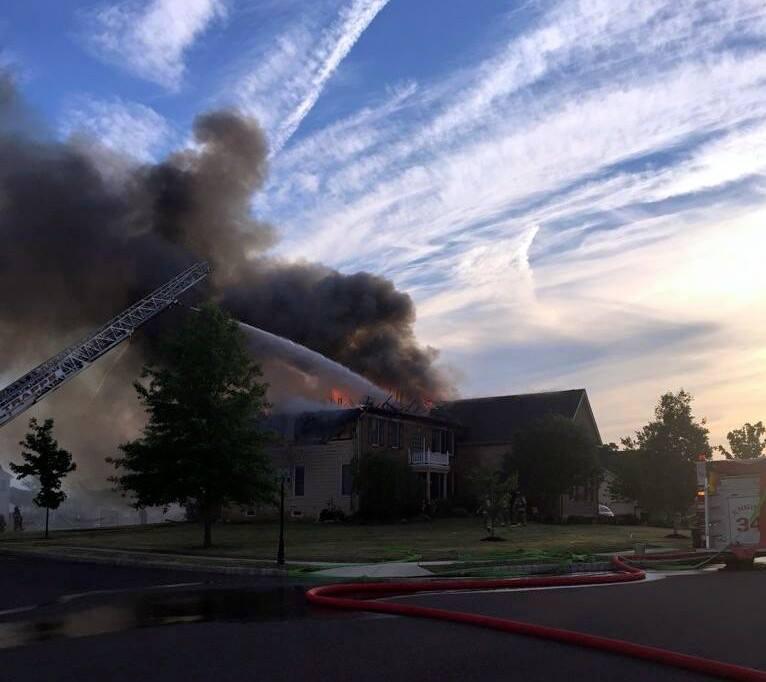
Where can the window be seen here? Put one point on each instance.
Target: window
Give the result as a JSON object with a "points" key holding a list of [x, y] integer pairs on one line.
{"points": [[417, 441], [376, 432], [299, 480], [394, 434], [440, 440], [345, 479], [436, 440]]}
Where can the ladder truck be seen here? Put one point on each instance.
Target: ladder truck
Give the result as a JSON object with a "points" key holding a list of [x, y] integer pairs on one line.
{"points": [[47, 377]]}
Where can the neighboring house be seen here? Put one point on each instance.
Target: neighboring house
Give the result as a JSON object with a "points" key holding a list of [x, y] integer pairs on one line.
{"points": [[488, 426], [316, 451], [5, 496], [627, 510]]}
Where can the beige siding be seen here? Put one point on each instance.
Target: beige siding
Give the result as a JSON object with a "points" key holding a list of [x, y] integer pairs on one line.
{"points": [[322, 464]]}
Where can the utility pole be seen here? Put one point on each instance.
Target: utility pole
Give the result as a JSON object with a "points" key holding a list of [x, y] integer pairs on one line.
{"points": [[281, 550]]}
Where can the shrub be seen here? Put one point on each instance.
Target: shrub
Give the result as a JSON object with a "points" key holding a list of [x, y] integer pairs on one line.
{"points": [[331, 512]]}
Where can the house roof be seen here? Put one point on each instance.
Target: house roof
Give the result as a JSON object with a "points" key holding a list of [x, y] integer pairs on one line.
{"points": [[496, 419], [319, 426]]}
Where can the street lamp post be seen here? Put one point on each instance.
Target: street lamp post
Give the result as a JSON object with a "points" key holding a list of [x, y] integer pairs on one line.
{"points": [[281, 550]]}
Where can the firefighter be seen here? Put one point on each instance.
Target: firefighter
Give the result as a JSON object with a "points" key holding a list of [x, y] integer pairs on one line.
{"points": [[18, 520], [520, 508]]}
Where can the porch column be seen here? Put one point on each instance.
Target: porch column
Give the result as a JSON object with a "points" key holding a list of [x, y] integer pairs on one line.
{"points": [[428, 485]]}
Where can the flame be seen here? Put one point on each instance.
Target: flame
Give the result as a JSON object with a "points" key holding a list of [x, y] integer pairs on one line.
{"points": [[338, 397]]}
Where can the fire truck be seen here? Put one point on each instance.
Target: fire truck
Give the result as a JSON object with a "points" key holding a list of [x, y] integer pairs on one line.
{"points": [[730, 507]]}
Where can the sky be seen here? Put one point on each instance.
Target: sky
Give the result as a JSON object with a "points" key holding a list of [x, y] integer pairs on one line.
{"points": [[572, 191]]}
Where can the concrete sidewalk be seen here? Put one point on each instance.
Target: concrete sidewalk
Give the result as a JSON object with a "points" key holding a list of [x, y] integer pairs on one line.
{"points": [[400, 569]]}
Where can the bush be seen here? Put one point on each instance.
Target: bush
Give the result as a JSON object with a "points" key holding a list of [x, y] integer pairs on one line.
{"points": [[388, 489], [331, 512]]}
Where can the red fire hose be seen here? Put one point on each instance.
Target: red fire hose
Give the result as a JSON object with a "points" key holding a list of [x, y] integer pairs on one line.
{"points": [[361, 597]]}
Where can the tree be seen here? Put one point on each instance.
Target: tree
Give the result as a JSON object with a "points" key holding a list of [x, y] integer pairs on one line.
{"points": [[747, 442], [202, 442], [657, 465], [47, 462], [388, 488], [550, 457]]}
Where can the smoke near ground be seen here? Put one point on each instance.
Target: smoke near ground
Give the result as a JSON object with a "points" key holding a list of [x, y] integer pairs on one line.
{"points": [[84, 232]]}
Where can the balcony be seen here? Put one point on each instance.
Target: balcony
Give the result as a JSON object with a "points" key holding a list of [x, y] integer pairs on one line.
{"points": [[427, 458]]}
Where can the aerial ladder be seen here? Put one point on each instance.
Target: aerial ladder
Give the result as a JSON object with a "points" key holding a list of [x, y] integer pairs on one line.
{"points": [[36, 384]]}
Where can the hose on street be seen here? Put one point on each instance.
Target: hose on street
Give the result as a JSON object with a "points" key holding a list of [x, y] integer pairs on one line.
{"points": [[367, 597]]}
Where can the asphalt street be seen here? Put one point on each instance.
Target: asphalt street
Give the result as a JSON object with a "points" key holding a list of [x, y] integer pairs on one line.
{"points": [[148, 624]]}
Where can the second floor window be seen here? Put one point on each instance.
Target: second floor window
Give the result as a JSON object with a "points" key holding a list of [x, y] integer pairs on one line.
{"points": [[439, 441], [377, 432], [395, 434], [299, 480], [447, 443]]}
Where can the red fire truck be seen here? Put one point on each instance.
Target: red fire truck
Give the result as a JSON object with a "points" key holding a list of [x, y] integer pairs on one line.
{"points": [[730, 506]]}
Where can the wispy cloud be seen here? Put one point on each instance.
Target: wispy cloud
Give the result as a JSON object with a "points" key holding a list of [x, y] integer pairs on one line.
{"points": [[130, 128], [150, 39], [556, 193], [286, 84]]}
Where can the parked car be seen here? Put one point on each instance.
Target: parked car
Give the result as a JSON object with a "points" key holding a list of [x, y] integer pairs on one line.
{"points": [[604, 513]]}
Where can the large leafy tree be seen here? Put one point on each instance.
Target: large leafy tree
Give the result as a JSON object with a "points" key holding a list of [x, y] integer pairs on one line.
{"points": [[550, 457], [747, 442], [657, 465], [202, 443], [47, 462]]}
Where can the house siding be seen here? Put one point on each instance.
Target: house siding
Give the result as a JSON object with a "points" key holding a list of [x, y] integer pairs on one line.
{"points": [[322, 464]]}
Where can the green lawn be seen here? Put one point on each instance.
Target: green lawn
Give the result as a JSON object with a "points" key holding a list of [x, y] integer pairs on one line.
{"points": [[453, 539]]}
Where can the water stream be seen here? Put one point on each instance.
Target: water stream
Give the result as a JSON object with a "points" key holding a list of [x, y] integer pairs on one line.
{"points": [[313, 376]]}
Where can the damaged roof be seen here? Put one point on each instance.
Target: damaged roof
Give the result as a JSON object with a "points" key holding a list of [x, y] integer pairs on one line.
{"points": [[319, 426], [496, 419]]}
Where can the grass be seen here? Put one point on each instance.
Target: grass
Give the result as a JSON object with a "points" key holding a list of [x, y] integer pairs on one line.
{"points": [[443, 539]]}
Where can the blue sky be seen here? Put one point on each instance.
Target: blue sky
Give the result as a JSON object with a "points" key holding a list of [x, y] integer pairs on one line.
{"points": [[572, 191]]}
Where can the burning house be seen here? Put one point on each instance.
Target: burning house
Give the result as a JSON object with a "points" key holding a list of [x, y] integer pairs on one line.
{"points": [[317, 453]]}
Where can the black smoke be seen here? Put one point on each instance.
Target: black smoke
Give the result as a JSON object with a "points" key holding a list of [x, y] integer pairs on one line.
{"points": [[84, 232]]}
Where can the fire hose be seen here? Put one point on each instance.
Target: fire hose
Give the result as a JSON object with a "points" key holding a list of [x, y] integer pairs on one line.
{"points": [[365, 597]]}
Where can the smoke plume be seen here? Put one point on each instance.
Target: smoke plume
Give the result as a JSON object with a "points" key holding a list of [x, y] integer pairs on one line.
{"points": [[84, 232]]}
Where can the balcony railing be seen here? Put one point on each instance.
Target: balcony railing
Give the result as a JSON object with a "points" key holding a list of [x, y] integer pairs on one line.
{"points": [[429, 458]]}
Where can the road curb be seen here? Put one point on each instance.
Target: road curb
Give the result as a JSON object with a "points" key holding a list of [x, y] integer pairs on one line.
{"points": [[147, 563]]}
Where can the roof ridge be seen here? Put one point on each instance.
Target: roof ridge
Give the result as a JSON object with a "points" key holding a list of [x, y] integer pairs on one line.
{"points": [[516, 395]]}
